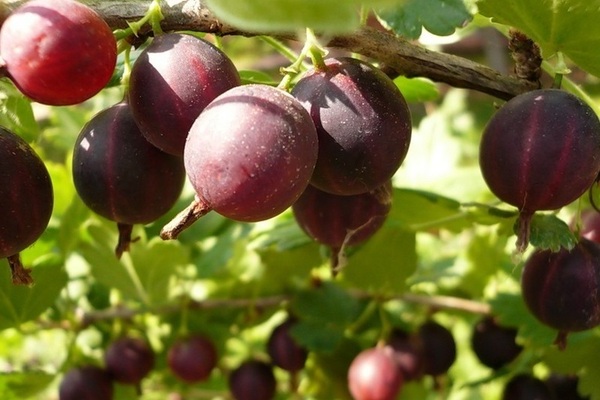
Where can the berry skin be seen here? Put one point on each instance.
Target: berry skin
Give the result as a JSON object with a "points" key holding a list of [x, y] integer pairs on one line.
{"points": [[493, 344], [363, 123], [375, 375], [26, 200], [526, 387], [438, 348], [192, 358], [171, 82], [252, 380], [283, 349], [539, 152], [86, 383], [562, 289], [257, 167], [407, 353], [128, 360], [336, 220], [58, 52], [121, 176]]}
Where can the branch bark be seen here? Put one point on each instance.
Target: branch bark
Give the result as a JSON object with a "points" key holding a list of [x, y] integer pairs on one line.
{"points": [[407, 58]]}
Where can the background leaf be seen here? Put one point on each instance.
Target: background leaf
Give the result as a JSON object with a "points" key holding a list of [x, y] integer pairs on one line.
{"points": [[21, 303], [329, 16], [440, 17], [569, 26], [384, 263]]}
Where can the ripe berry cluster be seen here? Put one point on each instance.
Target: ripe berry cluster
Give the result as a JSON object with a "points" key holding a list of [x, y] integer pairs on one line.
{"points": [[249, 151], [190, 359]]}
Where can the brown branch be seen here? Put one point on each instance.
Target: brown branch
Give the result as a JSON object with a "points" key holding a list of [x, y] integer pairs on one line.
{"points": [[403, 56], [435, 302]]}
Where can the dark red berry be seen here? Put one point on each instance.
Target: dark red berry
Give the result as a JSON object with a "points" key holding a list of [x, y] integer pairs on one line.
{"points": [[283, 349], [438, 348], [562, 289], [257, 167], [590, 225], [252, 380], [526, 387], [407, 353], [374, 375], [192, 358], [363, 123], [564, 387], [120, 175], [86, 383], [493, 344], [26, 200], [538, 152], [171, 82], [58, 52], [128, 360], [335, 220]]}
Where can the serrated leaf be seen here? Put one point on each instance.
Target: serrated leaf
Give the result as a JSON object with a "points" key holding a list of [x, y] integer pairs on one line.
{"points": [[22, 385], [440, 17], [329, 16], [547, 231], [21, 303], [416, 90], [569, 26], [384, 263]]}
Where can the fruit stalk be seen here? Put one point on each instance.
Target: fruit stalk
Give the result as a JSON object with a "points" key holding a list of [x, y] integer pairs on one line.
{"points": [[20, 275], [185, 219]]}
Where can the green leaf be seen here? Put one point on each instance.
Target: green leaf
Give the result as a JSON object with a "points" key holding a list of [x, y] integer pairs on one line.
{"points": [[416, 90], [21, 385], [105, 267], [219, 251], [420, 210], [384, 263], [20, 303], [323, 313], [72, 218], [16, 113], [155, 262], [257, 77], [550, 232], [329, 16], [579, 357], [569, 26], [440, 17]]}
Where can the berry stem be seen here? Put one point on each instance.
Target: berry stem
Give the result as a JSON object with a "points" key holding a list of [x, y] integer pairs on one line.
{"points": [[315, 50], [20, 275], [153, 17], [561, 340], [125, 240], [185, 219], [311, 49], [523, 230]]}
